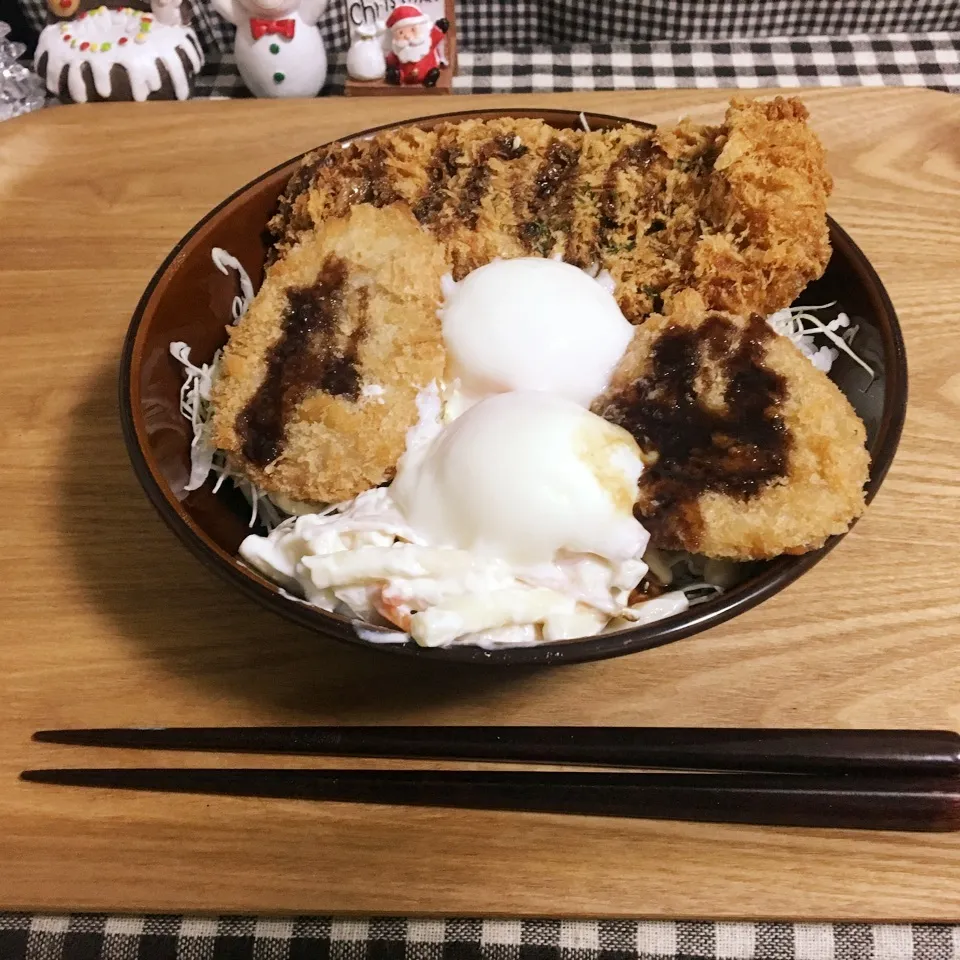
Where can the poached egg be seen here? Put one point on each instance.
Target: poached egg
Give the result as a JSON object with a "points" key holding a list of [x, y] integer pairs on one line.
{"points": [[526, 477], [533, 324]]}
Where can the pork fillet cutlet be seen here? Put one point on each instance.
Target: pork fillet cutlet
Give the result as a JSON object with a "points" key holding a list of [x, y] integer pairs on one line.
{"points": [[736, 212], [751, 451], [318, 382]]}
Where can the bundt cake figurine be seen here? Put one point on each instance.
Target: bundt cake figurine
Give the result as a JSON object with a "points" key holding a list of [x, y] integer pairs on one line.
{"points": [[137, 52]]}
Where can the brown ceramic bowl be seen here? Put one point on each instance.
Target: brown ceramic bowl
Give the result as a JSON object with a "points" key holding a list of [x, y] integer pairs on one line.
{"points": [[189, 300]]}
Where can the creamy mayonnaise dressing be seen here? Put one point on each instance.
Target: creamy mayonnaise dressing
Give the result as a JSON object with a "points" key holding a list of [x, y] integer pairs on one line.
{"points": [[366, 560], [538, 544]]}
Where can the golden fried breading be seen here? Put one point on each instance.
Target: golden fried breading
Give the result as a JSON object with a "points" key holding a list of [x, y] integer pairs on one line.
{"points": [[766, 205], [737, 212], [318, 383], [751, 451]]}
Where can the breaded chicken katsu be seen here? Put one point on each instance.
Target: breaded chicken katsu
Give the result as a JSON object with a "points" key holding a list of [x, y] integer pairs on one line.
{"points": [[736, 212], [319, 380], [751, 451]]}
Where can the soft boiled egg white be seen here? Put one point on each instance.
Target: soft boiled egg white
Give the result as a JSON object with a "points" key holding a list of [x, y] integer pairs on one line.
{"points": [[533, 324], [523, 476]]}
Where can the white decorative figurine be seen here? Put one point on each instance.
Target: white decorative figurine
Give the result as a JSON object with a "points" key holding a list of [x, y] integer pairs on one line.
{"points": [[365, 58], [167, 12], [278, 48], [136, 52]]}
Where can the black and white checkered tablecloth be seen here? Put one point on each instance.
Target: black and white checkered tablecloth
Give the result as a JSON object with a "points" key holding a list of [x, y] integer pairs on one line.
{"points": [[497, 25], [241, 938], [898, 59], [541, 45]]}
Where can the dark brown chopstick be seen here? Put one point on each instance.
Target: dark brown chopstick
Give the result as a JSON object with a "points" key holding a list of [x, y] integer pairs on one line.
{"points": [[891, 752], [912, 804]]}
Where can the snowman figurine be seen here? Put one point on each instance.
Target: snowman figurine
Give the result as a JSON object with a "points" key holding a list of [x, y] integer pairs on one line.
{"points": [[278, 47]]}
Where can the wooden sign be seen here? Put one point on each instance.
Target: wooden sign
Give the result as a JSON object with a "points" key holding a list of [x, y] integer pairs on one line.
{"points": [[400, 48]]}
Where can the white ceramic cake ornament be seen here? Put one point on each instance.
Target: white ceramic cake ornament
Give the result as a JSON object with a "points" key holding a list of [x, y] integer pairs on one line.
{"points": [[278, 47], [117, 54]]}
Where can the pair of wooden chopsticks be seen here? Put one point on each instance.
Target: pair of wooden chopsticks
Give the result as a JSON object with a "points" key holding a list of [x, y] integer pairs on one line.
{"points": [[861, 779]]}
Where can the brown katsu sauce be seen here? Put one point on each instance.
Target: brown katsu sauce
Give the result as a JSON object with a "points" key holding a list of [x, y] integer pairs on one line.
{"points": [[293, 214], [560, 164], [639, 156], [338, 373], [478, 178], [373, 185], [307, 170], [440, 172], [548, 203], [311, 354], [735, 450]]}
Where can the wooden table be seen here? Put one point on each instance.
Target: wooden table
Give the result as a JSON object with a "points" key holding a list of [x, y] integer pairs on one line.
{"points": [[107, 621]]}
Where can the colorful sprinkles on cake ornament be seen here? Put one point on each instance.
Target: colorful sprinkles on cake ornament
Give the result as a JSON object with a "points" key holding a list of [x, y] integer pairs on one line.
{"points": [[161, 62]]}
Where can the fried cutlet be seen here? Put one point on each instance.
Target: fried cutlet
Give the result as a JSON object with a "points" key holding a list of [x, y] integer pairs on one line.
{"points": [[736, 212], [751, 451], [318, 382], [705, 231], [766, 205]]}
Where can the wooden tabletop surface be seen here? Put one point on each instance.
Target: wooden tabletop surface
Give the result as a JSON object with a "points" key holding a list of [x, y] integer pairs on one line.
{"points": [[106, 620]]}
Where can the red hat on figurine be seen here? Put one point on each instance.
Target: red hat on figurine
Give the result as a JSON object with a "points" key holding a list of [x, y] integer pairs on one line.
{"points": [[406, 15]]}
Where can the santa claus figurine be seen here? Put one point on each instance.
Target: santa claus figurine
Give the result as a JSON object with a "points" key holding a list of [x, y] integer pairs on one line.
{"points": [[414, 56]]}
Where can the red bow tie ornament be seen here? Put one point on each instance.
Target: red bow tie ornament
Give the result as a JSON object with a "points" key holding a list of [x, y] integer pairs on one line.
{"points": [[260, 28]]}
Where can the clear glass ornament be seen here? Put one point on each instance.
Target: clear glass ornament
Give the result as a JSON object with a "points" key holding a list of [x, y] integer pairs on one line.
{"points": [[21, 90]]}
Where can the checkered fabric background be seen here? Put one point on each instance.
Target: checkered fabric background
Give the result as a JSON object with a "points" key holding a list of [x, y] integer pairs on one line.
{"points": [[920, 60], [528, 46], [487, 27], [238, 938]]}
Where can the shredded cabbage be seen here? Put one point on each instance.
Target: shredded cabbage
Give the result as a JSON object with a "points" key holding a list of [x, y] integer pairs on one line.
{"points": [[800, 325], [224, 262], [195, 406]]}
